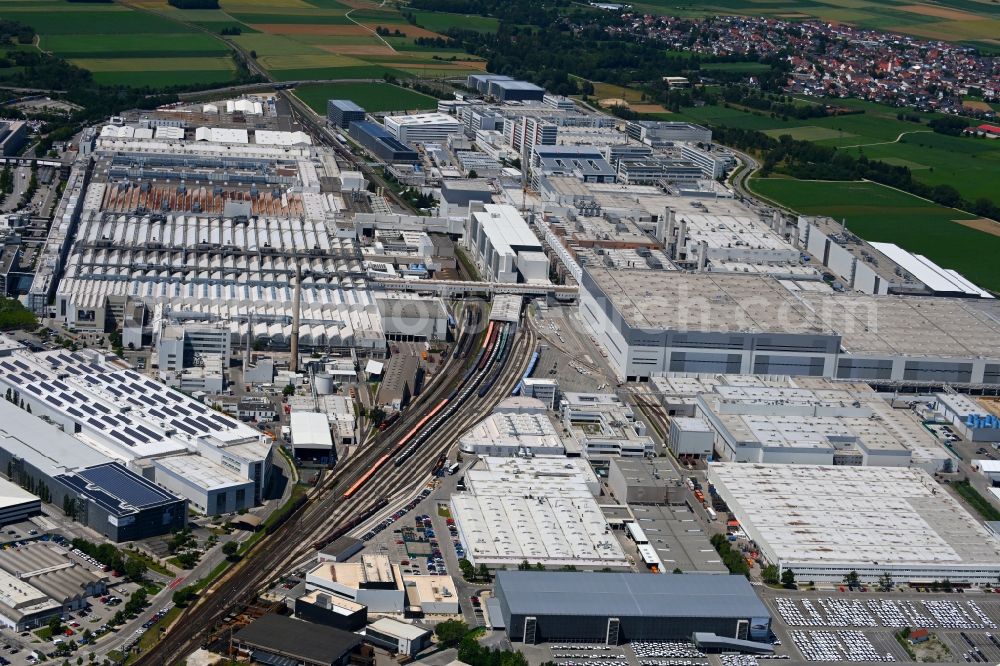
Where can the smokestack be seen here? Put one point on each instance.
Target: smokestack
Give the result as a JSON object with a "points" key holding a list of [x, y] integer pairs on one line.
{"points": [[246, 355], [293, 364]]}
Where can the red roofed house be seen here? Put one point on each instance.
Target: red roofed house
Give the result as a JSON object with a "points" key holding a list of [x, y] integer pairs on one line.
{"points": [[989, 129]]}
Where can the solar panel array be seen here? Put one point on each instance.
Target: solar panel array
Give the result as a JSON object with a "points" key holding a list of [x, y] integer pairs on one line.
{"points": [[97, 394], [117, 490], [126, 486]]}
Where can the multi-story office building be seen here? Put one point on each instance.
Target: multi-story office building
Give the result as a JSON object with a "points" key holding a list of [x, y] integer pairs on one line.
{"points": [[342, 112]]}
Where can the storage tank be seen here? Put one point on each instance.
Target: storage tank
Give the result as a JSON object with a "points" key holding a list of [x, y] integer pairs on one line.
{"points": [[324, 384]]}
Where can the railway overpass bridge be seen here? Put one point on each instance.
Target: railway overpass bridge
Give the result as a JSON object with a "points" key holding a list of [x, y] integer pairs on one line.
{"points": [[462, 288]]}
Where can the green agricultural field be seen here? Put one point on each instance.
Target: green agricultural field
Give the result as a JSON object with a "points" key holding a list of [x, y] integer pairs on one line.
{"points": [[441, 21], [374, 97], [736, 118], [878, 213], [970, 165], [809, 133], [135, 46], [251, 18], [93, 20], [349, 72], [122, 45], [164, 79]]}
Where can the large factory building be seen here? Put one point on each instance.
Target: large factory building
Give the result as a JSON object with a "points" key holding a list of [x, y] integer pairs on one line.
{"points": [[614, 608]]}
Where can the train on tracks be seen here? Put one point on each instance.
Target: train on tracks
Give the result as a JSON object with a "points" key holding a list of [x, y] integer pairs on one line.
{"points": [[484, 370]]}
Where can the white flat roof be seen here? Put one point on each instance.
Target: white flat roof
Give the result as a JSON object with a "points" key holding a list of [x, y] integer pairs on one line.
{"points": [[310, 430], [202, 472], [12, 495], [506, 228], [551, 530], [928, 272], [424, 119], [816, 514], [387, 625]]}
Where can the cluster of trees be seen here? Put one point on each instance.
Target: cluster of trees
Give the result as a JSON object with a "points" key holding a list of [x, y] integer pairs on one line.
{"points": [[451, 631], [474, 654], [231, 30], [14, 316], [437, 42], [418, 199], [770, 576], [15, 399], [6, 182], [731, 557], [473, 574], [779, 105], [385, 32], [15, 31], [950, 125], [522, 12], [194, 4], [184, 596], [17, 474], [182, 545], [105, 553]]}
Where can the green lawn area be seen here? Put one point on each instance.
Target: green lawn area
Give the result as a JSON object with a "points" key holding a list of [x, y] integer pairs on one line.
{"points": [[878, 213], [441, 21], [976, 500], [374, 97]]}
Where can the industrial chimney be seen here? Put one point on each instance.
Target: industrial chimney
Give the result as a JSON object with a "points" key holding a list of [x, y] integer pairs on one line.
{"points": [[293, 363]]}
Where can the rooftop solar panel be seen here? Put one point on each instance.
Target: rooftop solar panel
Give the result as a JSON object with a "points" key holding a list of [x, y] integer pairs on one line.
{"points": [[147, 431], [184, 427], [122, 438], [124, 485], [221, 420]]}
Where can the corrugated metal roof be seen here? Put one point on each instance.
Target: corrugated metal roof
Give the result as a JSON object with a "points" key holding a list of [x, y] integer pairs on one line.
{"points": [[628, 594]]}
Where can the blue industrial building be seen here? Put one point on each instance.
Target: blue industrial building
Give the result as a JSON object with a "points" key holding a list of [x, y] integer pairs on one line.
{"points": [[377, 141], [342, 112], [122, 505]]}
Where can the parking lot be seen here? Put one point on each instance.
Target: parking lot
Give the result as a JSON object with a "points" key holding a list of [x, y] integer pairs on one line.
{"points": [[863, 628]]}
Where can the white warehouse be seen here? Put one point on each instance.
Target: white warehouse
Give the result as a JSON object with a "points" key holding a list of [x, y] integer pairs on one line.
{"points": [[823, 522], [504, 246]]}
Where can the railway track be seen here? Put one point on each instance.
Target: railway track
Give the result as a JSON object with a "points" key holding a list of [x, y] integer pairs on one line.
{"points": [[327, 509]]}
